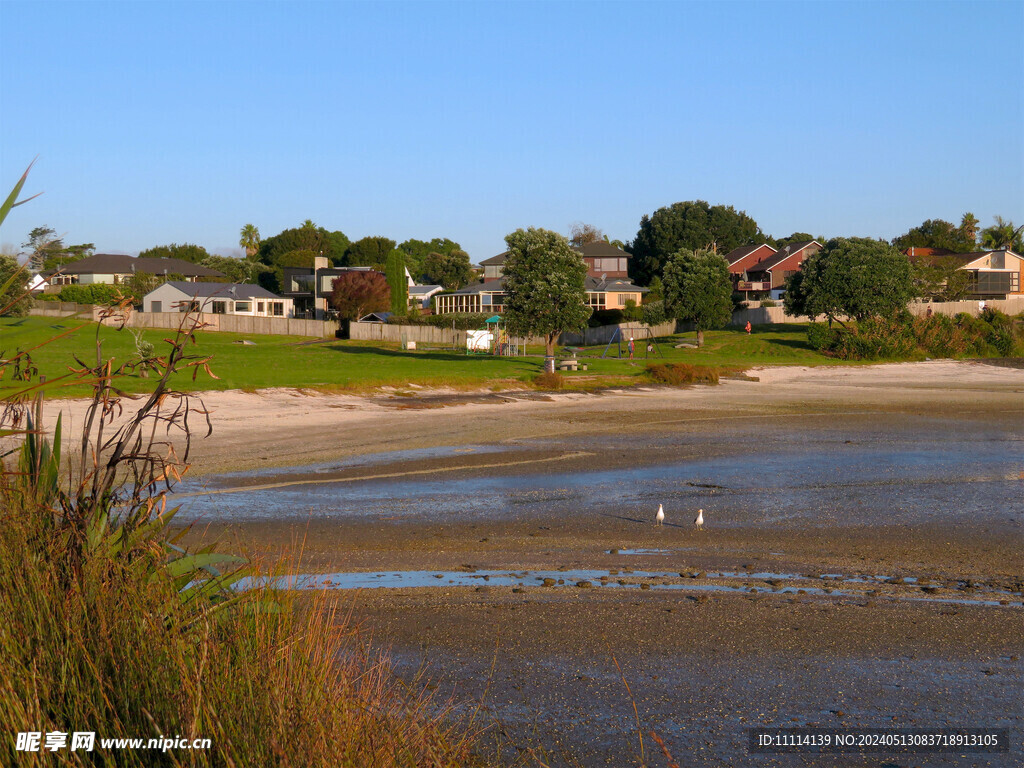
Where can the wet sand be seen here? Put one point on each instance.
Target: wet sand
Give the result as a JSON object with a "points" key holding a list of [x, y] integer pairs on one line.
{"points": [[911, 648]]}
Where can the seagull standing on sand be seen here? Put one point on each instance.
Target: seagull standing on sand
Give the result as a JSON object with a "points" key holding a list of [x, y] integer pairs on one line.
{"points": [[699, 521], [659, 519]]}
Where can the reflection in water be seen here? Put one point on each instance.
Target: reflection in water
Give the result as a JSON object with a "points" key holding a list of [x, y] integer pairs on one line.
{"points": [[928, 476]]}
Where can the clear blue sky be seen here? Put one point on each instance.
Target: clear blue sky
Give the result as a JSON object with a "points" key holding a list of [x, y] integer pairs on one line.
{"points": [[180, 122]]}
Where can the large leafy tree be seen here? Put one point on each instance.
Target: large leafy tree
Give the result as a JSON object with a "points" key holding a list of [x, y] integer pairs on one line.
{"points": [[369, 252], [940, 278], [193, 254], [697, 289], [1003, 234], [250, 240], [417, 251], [692, 225], [355, 294], [306, 237], [544, 287], [851, 277], [936, 233], [451, 270]]}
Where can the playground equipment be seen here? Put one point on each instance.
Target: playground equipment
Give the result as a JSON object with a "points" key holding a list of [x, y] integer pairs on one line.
{"points": [[633, 339], [495, 339]]}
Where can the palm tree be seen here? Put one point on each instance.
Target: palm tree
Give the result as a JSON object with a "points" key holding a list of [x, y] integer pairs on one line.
{"points": [[1001, 235], [250, 240]]}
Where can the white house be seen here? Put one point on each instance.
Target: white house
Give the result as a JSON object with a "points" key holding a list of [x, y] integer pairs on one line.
{"points": [[217, 299]]}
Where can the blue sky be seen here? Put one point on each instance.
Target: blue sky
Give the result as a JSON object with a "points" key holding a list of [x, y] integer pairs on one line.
{"points": [[180, 122]]}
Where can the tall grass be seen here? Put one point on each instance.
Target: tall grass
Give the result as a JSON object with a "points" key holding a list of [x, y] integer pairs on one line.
{"points": [[107, 626]]}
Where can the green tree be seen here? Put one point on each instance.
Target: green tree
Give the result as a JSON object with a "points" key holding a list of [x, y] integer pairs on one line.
{"points": [[250, 240], [417, 251], [236, 270], [41, 246], [355, 294], [1002, 234], [936, 233], [70, 254], [14, 299], [940, 278], [369, 252], [698, 289], [796, 237], [544, 287], [307, 237], [397, 283], [693, 225], [853, 277], [451, 270], [193, 254]]}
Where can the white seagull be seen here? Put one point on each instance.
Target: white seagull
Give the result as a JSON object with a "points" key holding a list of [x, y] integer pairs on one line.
{"points": [[699, 521], [659, 519]]}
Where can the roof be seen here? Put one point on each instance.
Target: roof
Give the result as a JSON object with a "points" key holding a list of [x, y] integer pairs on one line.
{"points": [[612, 285], [743, 251], [777, 258], [490, 285], [121, 264], [963, 258], [220, 290], [376, 317], [599, 249], [494, 260], [423, 290]]}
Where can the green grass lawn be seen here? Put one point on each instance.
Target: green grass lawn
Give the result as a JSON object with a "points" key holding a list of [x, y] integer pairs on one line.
{"points": [[289, 361]]}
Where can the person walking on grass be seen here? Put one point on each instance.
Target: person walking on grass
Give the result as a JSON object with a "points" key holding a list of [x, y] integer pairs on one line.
{"points": [[747, 329], [630, 347]]}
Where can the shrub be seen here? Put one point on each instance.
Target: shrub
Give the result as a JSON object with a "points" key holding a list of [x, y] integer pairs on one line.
{"points": [[682, 373], [464, 321], [654, 313], [769, 303], [549, 381], [99, 293], [821, 337], [606, 317]]}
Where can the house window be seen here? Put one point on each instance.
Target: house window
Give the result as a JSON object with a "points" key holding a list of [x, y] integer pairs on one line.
{"points": [[260, 307], [219, 308], [189, 306], [156, 306], [624, 297], [243, 306], [278, 307]]}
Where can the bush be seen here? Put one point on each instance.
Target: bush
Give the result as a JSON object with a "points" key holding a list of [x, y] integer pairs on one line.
{"points": [[464, 321], [654, 313], [92, 294], [993, 334], [606, 317], [769, 303], [821, 337], [549, 381], [682, 373]]}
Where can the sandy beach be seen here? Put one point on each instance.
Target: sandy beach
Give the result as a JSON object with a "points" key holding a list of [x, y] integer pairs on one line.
{"points": [[867, 600]]}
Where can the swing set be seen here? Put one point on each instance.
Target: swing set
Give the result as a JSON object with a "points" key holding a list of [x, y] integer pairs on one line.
{"points": [[646, 338]]}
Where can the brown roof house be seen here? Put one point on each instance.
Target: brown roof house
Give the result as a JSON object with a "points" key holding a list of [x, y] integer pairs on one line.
{"points": [[115, 268], [767, 277]]}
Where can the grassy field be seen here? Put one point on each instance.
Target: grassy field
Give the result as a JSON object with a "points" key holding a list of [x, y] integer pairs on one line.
{"points": [[289, 361]]}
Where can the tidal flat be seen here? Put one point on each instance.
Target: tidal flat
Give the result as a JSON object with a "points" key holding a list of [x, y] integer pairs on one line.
{"points": [[860, 566]]}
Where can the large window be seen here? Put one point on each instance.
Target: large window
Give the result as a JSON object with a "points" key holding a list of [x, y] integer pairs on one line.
{"points": [[278, 308], [243, 306], [219, 307], [987, 283]]}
